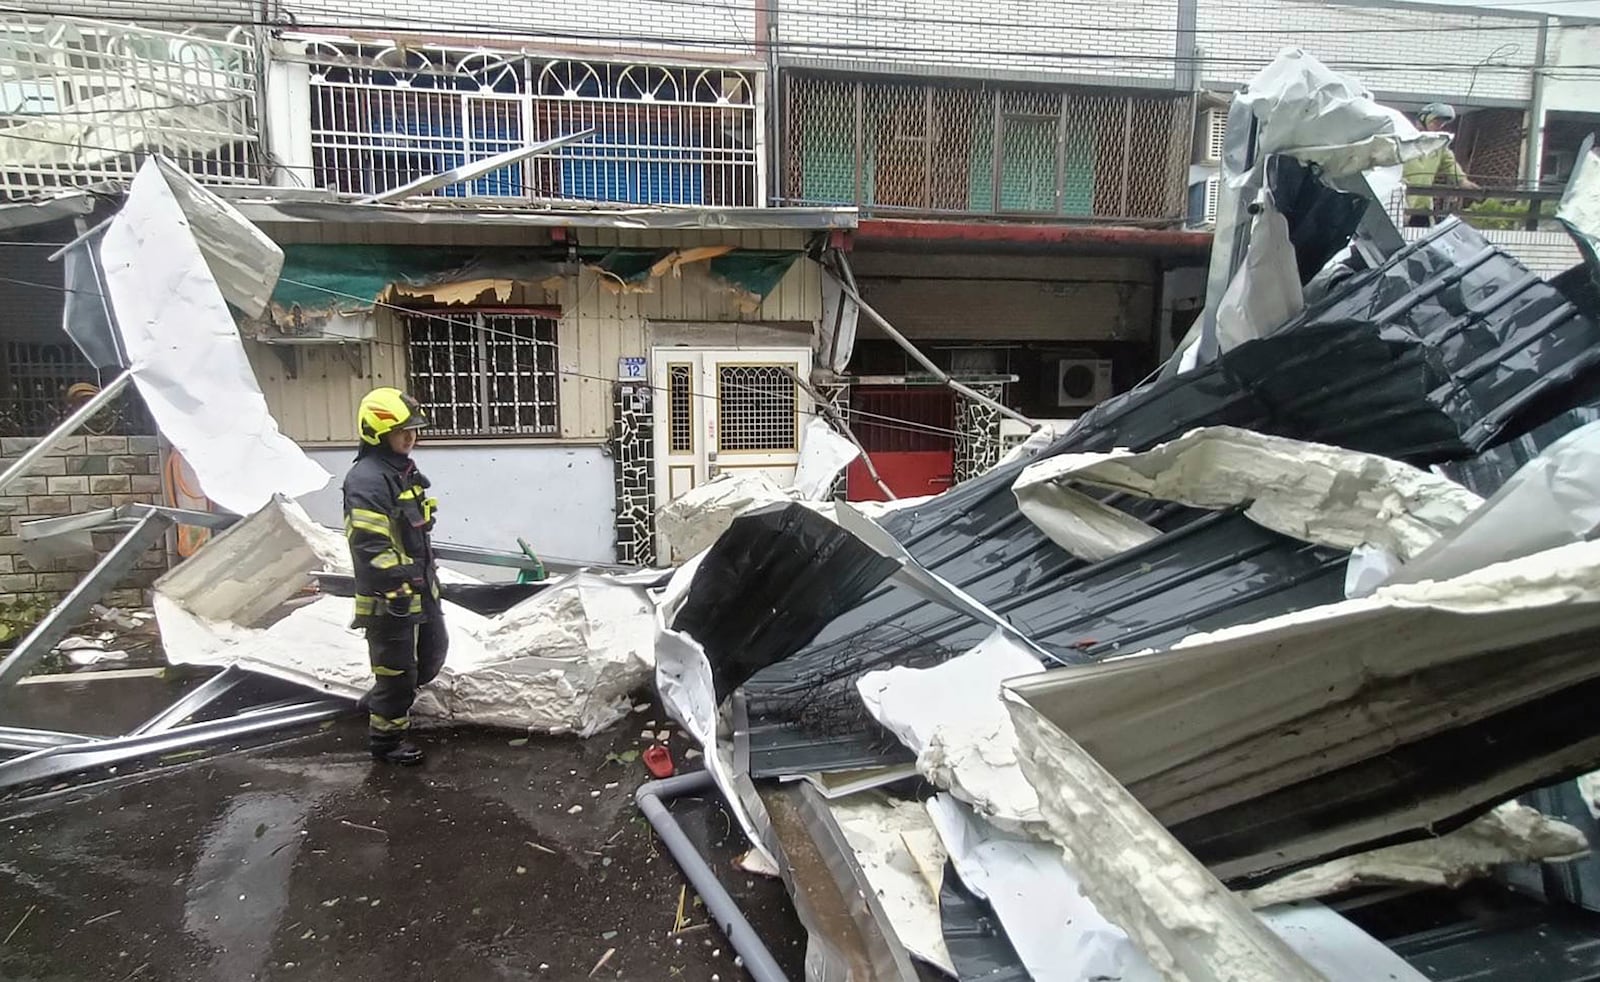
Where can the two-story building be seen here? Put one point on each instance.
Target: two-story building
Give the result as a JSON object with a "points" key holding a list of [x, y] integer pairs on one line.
{"points": [[1021, 191]]}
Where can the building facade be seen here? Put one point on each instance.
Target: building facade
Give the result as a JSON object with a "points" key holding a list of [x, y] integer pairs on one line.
{"points": [[1023, 192]]}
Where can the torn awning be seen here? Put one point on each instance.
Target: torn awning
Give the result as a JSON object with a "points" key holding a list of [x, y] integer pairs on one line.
{"points": [[354, 277], [319, 280]]}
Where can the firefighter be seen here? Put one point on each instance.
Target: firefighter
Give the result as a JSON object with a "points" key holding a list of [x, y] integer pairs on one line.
{"points": [[1427, 170], [388, 517]]}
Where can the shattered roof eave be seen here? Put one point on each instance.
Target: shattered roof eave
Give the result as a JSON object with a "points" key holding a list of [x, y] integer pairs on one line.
{"points": [[281, 206]]}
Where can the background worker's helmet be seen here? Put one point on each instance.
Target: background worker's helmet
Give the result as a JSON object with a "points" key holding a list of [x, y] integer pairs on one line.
{"points": [[1442, 111], [386, 409]]}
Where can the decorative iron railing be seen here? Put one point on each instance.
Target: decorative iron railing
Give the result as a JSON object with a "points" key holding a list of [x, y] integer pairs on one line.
{"points": [[81, 101], [383, 116]]}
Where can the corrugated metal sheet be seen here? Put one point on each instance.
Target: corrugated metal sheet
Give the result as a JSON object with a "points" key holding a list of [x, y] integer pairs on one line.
{"points": [[597, 327], [1439, 353]]}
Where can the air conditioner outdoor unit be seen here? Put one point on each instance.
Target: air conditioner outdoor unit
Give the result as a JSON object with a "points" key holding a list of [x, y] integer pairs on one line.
{"points": [[1083, 382], [1213, 191], [1214, 130]]}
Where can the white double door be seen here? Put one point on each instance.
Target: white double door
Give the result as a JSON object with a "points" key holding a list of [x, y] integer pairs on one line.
{"points": [[720, 410]]}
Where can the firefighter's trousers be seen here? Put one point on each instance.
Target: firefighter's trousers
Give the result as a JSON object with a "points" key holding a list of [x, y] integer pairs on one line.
{"points": [[405, 654]]}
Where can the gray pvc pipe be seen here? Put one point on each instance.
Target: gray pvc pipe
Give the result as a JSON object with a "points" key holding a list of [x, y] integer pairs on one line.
{"points": [[651, 799]]}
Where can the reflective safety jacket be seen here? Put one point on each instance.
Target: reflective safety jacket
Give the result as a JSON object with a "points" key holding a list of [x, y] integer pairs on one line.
{"points": [[388, 518]]}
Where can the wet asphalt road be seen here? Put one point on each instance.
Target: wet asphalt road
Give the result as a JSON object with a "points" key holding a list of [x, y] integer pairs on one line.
{"points": [[304, 861]]}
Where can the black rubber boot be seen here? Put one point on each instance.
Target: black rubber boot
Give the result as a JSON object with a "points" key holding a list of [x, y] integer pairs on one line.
{"points": [[405, 754]]}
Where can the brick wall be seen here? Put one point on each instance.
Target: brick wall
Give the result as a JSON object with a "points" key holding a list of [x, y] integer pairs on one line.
{"points": [[1111, 42], [1117, 41], [1545, 253], [1388, 49], [81, 474], [1489, 145], [243, 11]]}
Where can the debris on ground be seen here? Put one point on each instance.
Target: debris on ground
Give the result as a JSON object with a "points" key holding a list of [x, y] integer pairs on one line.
{"points": [[1238, 638], [1310, 611]]}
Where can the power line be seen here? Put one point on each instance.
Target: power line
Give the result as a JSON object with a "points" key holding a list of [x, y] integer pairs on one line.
{"points": [[128, 110], [888, 18], [875, 419], [491, 30], [1031, 27], [902, 424]]}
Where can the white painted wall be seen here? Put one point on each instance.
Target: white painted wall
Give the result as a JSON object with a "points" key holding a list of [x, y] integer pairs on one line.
{"points": [[561, 499], [1571, 87]]}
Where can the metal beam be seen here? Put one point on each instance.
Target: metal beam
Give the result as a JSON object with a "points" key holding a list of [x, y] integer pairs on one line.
{"points": [[203, 695], [44, 528], [849, 289], [76, 604], [23, 738], [475, 169], [479, 556], [57, 762], [68, 427]]}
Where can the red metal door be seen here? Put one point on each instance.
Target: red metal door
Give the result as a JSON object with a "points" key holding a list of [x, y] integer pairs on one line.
{"points": [[909, 432]]}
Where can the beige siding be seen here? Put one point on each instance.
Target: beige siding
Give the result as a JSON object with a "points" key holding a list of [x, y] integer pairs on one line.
{"points": [[597, 327], [315, 403]]}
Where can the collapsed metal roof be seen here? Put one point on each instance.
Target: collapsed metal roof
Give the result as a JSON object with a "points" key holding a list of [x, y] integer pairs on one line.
{"points": [[1446, 350]]}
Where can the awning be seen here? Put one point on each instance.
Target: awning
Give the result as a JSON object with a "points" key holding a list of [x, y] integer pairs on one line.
{"points": [[321, 280], [278, 205]]}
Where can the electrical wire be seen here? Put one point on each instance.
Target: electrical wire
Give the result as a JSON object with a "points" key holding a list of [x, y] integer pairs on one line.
{"points": [[128, 109], [492, 332], [492, 30], [878, 420], [1033, 27]]}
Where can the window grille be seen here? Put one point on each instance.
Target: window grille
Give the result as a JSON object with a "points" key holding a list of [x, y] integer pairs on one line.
{"points": [[384, 116], [485, 374], [680, 407], [82, 101], [932, 148], [34, 379], [755, 408]]}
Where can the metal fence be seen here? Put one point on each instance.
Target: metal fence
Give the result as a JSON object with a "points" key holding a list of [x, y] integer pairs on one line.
{"points": [[82, 100], [382, 116], [933, 148]]}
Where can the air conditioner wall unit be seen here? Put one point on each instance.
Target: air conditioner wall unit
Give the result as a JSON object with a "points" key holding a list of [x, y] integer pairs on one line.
{"points": [[1083, 382], [1214, 132]]}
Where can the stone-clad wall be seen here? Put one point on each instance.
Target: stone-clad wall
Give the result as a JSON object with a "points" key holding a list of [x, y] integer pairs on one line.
{"points": [[82, 474]]}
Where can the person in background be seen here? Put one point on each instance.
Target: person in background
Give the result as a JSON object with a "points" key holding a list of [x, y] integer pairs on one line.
{"points": [[1439, 167], [389, 519]]}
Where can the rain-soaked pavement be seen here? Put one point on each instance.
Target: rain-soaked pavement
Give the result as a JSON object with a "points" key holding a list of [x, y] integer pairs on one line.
{"points": [[497, 860]]}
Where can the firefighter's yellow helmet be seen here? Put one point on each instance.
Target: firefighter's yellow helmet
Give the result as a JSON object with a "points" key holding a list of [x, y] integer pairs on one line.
{"points": [[386, 409]]}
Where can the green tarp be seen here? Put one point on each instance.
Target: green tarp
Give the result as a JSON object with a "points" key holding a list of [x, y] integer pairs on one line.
{"points": [[353, 276]]}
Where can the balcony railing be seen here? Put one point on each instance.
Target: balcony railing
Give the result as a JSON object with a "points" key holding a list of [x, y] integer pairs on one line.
{"points": [[383, 116], [891, 147], [1501, 208], [82, 100]]}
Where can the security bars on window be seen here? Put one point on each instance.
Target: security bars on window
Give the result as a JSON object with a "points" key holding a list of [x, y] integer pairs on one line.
{"points": [[34, 379], [83, 101], [680, 407], [755, 408], [944, 148], [382, 116], [485, 374]]}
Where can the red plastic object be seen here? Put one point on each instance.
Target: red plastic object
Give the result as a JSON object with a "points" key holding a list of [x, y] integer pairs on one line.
{"points": [[659, 760]]}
